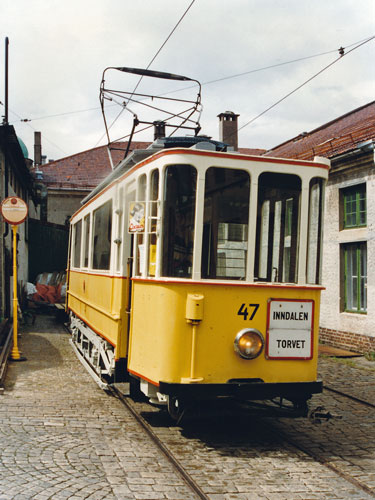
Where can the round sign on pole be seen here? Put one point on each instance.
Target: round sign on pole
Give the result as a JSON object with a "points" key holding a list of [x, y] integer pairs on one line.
{"points": [[14, 210]]}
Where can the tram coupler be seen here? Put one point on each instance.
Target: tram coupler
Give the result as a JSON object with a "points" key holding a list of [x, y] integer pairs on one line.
{"points": [[320, 414]]}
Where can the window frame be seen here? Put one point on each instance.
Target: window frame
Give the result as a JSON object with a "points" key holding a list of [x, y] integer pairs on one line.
{"points": [[177, 257], [357, 190], [86, 240], [77, 246], [267, 226], [108, 202], [359, 247], [214, 244]]}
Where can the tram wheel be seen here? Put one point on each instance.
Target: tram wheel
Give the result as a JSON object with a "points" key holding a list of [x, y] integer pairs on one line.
{"points": [[175, 407]]}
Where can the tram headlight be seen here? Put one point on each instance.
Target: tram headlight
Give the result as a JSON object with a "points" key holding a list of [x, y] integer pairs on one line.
{"points": [[249, 343]]}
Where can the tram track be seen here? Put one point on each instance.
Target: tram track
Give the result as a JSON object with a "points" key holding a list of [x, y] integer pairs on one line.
{"points": [[279, 433], [349, 396], [326, 463], [164, 449], [334, 468]]}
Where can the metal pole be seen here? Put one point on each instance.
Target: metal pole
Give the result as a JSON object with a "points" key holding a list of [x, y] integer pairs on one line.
{"points": [[6, 81], [15, 352]]}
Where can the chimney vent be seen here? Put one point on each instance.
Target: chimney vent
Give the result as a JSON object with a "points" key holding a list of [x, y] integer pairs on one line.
{"points": [[228, 132]]}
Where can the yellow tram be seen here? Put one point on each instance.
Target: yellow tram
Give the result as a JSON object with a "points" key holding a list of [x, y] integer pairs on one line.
{"points": [[195, 273]]}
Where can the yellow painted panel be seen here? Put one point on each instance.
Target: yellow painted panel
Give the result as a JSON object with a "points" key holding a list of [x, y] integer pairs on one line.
{"points": [[160, 339], [100, 302]]}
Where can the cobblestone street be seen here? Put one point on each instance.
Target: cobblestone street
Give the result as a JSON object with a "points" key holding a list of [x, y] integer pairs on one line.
{"points": [[64, 438]]}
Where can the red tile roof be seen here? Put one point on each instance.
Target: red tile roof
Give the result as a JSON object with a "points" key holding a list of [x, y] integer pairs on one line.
{"points": [[84, 170], [332, 139], [252, 151]]}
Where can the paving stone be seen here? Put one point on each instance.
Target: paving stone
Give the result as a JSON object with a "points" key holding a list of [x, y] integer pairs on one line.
{"points": [[63, 438]]}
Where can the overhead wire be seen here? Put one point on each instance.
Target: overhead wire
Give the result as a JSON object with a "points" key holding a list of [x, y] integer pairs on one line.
{"points": [[44, 137], [355, 45], [229, 77], [342, 54]]}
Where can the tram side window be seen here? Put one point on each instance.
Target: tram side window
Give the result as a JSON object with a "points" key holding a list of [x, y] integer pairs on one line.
{"points": [[77, 244], [315, 231], [277, 227], [179, 217], [226, 218], [153, 222], [102, 228], [141, 197], [86, 240]]}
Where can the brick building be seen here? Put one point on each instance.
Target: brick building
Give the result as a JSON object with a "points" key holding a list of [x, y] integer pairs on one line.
{"points": [[70, 179], [348, 302]]}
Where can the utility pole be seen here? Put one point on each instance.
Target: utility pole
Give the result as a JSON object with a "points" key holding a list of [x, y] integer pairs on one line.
{"points": [[5, 119]]}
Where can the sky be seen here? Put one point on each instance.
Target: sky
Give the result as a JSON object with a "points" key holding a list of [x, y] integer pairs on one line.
{"points": [[247, 54]]}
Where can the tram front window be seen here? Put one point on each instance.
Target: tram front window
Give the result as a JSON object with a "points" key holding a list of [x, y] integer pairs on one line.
{"points": [[179, 217], [277, 228], [226, 217]]}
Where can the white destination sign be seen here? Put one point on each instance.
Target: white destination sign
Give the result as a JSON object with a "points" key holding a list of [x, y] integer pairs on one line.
{"points": [[290, 329]]}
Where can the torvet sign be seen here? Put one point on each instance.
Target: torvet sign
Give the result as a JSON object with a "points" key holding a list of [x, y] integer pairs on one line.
{"points": [[290, 329]]}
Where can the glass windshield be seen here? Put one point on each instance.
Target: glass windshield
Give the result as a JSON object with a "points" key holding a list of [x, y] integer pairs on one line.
{"points": [[226, 218]]}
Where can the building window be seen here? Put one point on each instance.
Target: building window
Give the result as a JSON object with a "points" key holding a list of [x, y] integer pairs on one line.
{"points": [[355, 277], [354, 204]]}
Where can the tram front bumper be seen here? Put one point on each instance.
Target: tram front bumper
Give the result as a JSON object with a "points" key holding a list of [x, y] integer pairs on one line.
{"points": [[253, 389]]}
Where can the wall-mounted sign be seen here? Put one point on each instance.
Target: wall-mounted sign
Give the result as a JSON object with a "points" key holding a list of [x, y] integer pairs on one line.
{"points": [[14, 210], [137, 211]]}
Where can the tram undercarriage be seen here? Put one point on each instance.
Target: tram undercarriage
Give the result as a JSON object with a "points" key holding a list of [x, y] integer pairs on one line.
{"points": [[95, 353], [254, 396]]}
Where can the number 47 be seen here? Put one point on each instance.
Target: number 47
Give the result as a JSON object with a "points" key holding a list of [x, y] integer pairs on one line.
{"points": [[243, 311]]}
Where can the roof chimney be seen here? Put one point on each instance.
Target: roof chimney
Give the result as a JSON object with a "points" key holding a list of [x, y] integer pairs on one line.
{"points": [[159, 130], [228, 131], [37, 148]]}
